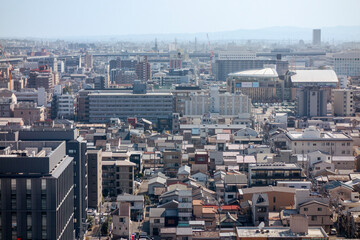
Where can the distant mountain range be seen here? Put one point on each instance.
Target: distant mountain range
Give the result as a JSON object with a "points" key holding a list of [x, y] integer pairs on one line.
{"points": [[286, 33], [328, 34]]}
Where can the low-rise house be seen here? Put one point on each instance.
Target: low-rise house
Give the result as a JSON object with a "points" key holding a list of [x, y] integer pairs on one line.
{"points": [[157, 220], [320, 166], [184, 200], [156, 182], [338, 191], [260, 208], [343, 162], [136, 205], [318, 214], [279, 198], [205, 213], [318, 156], [183, 172], [305, 195], [122, 222], [232, 183], [200, 177], [176, 233]]}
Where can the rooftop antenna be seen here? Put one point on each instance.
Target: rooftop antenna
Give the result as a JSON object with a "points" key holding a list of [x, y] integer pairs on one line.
{"points": [[195, 44]]}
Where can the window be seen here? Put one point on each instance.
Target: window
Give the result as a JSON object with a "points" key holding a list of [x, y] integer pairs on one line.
{"points": [[319, 209], [305, 209], [171, 221], [121, 220], [72, 151], [43, 185], [13, 184], [313, 218], [43, 221], [156, 220], [28, 185], [274, 199]]}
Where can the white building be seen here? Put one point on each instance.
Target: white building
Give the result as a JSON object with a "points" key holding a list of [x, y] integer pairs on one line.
{"points": [[66, 106], [60, 66], [311, 139], [347, 64], [222, 103]]}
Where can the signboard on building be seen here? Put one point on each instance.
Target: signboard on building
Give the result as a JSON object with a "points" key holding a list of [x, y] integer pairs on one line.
{"points": [[246, 84]]}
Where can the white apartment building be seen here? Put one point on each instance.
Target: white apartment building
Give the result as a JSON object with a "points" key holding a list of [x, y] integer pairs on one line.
{"points": [[66, 105], [311, 139], [222, 103], [343, 103], [347, 64]]}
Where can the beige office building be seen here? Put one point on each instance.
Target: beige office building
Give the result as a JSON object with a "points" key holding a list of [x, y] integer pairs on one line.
{"points": [[343, 102]]}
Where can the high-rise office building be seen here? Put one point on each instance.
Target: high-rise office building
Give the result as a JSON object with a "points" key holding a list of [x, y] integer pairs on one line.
{"points": [[143, 69], [311, 102], [51, 62], [41, 77], [347, 64], [94, 159], [115, 63], [316, 38], [75, 148], [88, 60], [37, 191]]}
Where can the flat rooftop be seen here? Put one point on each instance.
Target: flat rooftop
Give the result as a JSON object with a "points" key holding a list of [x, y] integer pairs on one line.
{"points": [[279, 232], [262, 73], [315, 135], [314, 76]]}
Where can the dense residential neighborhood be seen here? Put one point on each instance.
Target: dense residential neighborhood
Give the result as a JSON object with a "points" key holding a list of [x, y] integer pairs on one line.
{"points": [[180, 140]]}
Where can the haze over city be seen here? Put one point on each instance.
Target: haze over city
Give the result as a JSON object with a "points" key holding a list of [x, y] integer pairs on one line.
{"points": [[109, 18]]}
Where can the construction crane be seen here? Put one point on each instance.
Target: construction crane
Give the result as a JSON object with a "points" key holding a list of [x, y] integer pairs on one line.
{"points": [[211, 55]]}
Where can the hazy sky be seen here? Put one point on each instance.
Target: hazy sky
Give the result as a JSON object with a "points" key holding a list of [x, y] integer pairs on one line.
{"points": [[72, 18]]}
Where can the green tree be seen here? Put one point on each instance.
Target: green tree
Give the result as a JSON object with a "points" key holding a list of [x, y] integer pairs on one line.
{"points": [[147, 200]]}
